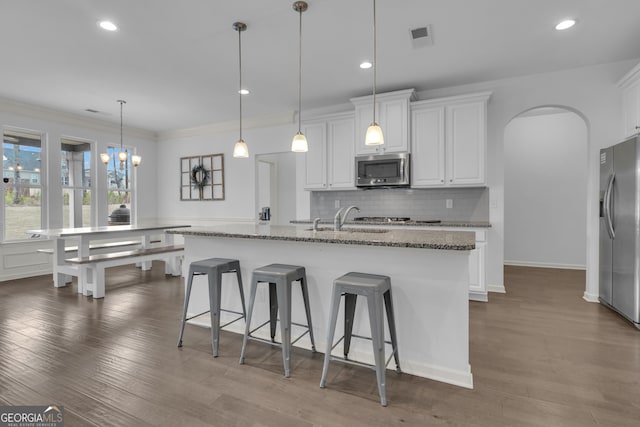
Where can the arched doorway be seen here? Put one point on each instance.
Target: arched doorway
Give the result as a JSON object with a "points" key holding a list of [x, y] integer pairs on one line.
{"points": [[545, 189]]}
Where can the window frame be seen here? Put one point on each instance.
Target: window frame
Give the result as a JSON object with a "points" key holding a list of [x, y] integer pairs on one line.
{"points": [[43, 187]]}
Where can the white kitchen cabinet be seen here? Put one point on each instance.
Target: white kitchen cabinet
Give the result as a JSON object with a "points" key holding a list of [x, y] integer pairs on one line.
{"points": [[392, 114], [330, 159], [448, 141], [630, 86]]}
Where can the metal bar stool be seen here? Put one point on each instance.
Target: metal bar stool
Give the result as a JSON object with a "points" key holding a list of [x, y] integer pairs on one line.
{"points": [[279, 277], [214, 268], [375, 288]]}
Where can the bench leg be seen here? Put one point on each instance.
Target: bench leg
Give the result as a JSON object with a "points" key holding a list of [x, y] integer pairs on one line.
{"points": [[98, 281]]}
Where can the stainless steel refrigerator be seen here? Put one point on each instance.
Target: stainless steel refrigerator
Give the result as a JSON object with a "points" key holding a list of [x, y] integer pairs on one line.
{"points": [[620, 228]]}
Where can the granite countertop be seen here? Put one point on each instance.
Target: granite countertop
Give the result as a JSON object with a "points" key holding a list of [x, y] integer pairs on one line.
{"points": [[422, 239], [411, 223]]}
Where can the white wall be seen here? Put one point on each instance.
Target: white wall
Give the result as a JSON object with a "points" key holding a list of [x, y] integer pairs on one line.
{"points": [[589, 91], [239, 178], [545, 170], [20, 259]]}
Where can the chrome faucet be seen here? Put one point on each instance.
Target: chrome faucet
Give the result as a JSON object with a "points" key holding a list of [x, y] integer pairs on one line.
{"points": [[315, 224], [340, 218]]}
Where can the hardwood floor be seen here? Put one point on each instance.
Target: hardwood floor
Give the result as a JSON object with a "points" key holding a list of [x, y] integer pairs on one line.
{"points": [[540, 356]]}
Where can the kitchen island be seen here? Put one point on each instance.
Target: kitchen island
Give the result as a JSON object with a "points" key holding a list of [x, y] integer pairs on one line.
{"points": [[429, 275]]}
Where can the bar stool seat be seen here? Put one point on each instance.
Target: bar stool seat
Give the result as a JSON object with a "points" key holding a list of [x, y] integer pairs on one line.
{"points": [[214, 268], [376, 289], [279, 277]]}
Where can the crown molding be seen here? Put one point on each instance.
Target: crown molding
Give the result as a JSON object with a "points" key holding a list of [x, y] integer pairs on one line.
{"points": [[43, 113], [630, 78], [268, 120]]}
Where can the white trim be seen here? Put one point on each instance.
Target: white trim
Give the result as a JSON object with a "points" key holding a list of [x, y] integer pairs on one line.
{"points": [[232, 125], [545, 265], [437, 373], [478, 296], [43, 113], [590, 297], [630, 78], [499, 289]]}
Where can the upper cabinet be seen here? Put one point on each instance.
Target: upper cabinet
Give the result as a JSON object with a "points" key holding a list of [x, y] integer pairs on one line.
{"points": [[448, 141], [392, 114], [330, 159], [630, 85]]}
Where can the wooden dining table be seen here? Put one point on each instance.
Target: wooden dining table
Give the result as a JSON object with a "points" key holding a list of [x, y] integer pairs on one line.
{"points": [[84, 236]]}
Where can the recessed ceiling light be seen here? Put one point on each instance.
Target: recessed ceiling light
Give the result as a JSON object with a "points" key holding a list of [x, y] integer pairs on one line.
{"points": [[243, 92], [366, 65], [566, 24], [108, 25]]}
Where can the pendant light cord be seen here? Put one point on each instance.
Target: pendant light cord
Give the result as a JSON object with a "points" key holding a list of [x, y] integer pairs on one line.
{"points": [[121, 101], [240, 67], [300, 76], [375, 61]]}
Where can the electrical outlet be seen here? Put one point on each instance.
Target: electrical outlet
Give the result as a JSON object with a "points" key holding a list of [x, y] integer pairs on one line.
{"points": [[449, 203], [336, 204]]}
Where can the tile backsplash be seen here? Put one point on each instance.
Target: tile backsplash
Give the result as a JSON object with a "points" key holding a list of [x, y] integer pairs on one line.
{"points": [[468, 204]]}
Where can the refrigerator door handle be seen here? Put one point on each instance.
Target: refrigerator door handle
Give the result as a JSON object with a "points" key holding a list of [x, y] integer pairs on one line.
{"points": [[607, 206]]}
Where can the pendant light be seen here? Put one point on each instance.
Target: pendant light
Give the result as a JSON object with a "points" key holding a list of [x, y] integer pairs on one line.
{"points": [[122, 154], [299, 143], [374, 132], [240, 149]]}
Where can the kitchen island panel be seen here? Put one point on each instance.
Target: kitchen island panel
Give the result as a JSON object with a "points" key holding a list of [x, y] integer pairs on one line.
{"points": [[429, 291]]}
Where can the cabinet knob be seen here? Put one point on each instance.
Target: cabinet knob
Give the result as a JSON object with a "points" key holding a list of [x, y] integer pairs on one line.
{"points": [[451, 180], [442, 181]]}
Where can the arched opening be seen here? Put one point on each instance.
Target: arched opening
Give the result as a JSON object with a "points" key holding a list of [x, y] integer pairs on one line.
{"points": [[545, 189]]}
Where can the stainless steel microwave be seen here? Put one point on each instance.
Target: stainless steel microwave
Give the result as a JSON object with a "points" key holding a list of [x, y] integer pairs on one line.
{"points": [[383, 170]]}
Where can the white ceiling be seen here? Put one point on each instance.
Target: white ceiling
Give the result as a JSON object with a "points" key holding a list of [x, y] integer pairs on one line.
{"points": [[176, 62]]}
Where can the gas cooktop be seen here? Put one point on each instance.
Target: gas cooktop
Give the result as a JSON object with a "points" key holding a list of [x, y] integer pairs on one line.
{"points": [[382, 218]]}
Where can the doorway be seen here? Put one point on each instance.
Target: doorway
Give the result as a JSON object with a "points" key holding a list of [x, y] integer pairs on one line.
{"points": [[276, 186], [545, 189]]}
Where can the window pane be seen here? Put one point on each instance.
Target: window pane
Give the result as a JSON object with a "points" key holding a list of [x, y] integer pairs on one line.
{"points": [[76, 182], [22, 192], [119, 173]]}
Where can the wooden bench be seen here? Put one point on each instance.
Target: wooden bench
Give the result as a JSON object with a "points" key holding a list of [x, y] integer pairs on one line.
{"points": [[101, 247], [91, 268]]}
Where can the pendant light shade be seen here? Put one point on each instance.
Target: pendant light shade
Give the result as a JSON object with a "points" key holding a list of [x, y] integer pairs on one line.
{"points": [[374, 132], [299, 143], [240, 149], [122, 154], [105, 157]]}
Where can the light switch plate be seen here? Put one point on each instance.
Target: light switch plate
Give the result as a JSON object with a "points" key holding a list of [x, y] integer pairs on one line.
{"points": [[449, 203], [336, 204]]}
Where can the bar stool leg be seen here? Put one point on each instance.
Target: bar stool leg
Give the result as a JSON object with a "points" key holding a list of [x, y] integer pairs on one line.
{"points": [[376, 318], [215, 291], [247, 329], [349, 313], [333, 318], [241, 289], [307, 309], [388, 302], [273, 311], [186, 305], [284, 300]]}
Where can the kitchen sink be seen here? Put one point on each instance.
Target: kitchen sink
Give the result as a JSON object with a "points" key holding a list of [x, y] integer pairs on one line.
{"points": [[351, 230]]}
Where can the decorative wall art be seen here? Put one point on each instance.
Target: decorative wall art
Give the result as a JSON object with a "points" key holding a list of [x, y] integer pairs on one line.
{"points": [[202, 177]]}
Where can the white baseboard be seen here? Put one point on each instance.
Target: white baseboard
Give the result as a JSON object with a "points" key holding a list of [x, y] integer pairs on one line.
{"points": [[545, 265], [462, 378], [497, 288], [590, 297]]}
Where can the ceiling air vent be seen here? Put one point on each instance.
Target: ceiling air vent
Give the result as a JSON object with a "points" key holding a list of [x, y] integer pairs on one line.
{"points": [[421, 37], [91, 110]]}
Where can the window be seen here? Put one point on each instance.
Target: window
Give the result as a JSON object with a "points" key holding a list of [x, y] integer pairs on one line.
{"points": [[22, 174], [119, 180], [76, 183]]}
